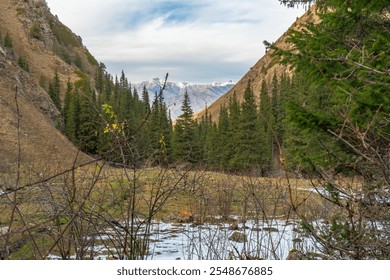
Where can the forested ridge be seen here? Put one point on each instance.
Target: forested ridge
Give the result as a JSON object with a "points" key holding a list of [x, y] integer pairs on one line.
{"points": [[247, 136]]}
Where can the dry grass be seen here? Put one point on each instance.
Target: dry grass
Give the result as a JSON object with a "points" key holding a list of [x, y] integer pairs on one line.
{"points": [[94, 198], [207, 194], [41, 142], [203, 194]]}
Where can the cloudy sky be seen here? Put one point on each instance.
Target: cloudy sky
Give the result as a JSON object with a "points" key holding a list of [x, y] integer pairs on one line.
{"points": [[198, 41]]}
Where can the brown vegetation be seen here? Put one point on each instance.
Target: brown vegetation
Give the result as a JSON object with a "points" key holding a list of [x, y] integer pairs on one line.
{"points": [[29, 25]]}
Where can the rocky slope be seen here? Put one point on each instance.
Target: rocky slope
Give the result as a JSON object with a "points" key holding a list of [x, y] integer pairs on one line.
{"points": [[26, 110]]}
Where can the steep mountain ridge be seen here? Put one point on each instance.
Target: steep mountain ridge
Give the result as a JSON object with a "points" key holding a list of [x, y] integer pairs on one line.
{"points": [[26, 109], [44, 41], [263, 70]]}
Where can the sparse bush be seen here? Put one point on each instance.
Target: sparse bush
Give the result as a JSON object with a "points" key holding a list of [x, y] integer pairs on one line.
{"points": [[20, 11], [63, 53], [40, 3], [64, 36], [35, 31], [43, 82], [23, 63], [91, 59], [78, 62], [8, 41]]}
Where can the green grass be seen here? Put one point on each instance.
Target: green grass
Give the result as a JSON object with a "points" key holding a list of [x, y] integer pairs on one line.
{"points": [[92, 59], [64, 36]]}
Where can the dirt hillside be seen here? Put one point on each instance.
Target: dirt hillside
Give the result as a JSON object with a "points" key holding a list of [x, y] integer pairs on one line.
{"points": [[27, 112]]}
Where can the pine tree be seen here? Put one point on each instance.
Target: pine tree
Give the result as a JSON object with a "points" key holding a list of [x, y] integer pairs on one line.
{"points": [[8, 41], [248, 154], [107, 89], [71, 113], [184, 133], [99, 80], [342, 64], [126, 105], [154, 131], [54, 90], [234, 136], [293, 3], [266, 127], [23, 63], [145, 99], [202, 145], [222, 148], [165, 140], [211, 155], [87, 131], [67, 101]]}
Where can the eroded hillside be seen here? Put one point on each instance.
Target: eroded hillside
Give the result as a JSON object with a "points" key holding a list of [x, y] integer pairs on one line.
{"points": [[33, 46]]}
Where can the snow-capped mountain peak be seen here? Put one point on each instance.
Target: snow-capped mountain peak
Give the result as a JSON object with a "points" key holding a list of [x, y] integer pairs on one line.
{"points": [[184, 84], [219, 84], [200, 94]]}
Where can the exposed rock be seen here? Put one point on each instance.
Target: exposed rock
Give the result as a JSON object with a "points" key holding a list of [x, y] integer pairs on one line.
{"points": [[39, 117], [234, 226], [295, 254], [238, 237], [3, 230]]}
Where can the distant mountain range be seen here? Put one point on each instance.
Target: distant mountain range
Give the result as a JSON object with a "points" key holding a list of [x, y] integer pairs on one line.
{"points": [[200, 95]]}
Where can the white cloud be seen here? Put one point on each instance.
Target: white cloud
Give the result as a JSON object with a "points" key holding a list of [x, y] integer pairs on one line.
{"points": [[199, 41]]}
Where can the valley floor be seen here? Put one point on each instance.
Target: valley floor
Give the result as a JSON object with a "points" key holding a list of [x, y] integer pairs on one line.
{"points": [[155, 213]]}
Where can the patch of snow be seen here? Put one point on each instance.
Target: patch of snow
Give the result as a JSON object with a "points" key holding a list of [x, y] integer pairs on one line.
{"points": [[169, 241], [184, 85], [323, 192]]}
